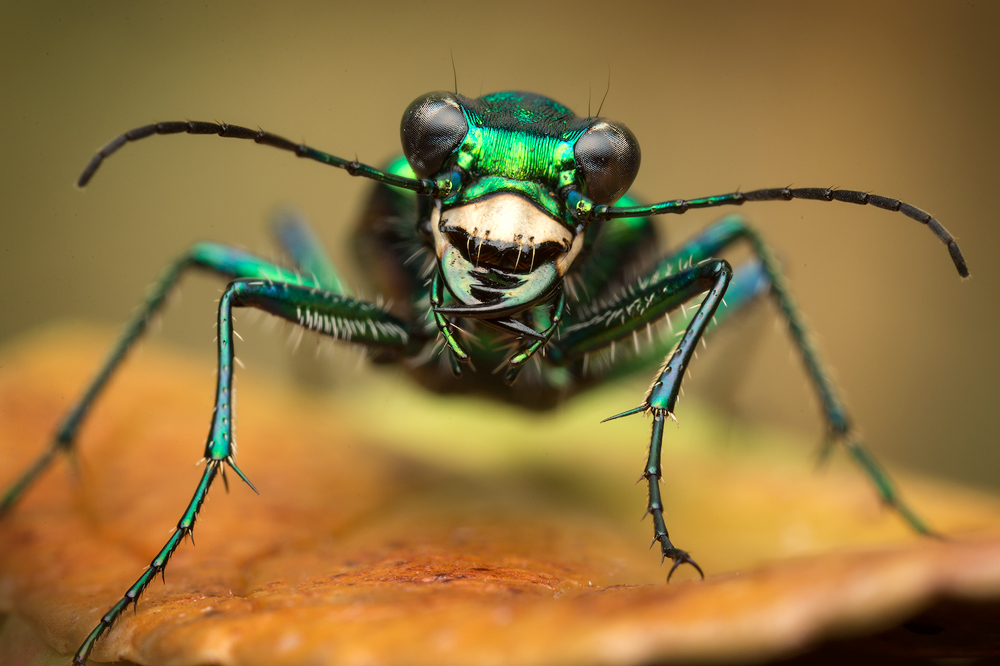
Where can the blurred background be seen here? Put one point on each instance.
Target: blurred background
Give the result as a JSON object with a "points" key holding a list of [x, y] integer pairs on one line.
{"points": [[896, 98]]}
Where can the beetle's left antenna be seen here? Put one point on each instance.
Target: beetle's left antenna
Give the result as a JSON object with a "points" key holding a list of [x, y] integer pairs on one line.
{"points": [[433, 188]]}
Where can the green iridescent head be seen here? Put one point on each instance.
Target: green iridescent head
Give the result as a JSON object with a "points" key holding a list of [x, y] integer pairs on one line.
{"points": [[520, 143], [522, 165]]}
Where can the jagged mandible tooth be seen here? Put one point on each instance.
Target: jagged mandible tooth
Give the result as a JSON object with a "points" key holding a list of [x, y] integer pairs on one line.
{"points": [[508, 218], [463, 279]]}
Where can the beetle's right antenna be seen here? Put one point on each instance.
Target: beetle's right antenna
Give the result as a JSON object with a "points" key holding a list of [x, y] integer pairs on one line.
{"points": [[678, 206], [434, 188]]}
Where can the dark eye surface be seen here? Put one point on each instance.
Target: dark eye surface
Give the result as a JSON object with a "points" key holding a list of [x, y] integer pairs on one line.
{"points": [[433, 127], [607, 156]]}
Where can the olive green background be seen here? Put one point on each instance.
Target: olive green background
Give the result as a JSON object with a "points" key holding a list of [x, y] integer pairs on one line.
{"points": [[897, 98]]}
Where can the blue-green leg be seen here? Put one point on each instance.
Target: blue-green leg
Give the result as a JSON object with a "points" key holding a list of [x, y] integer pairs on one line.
{"points": [[840, 430], [457, 355], [159, 564], [732, 229], [214, 257], [298, 240], [516, 362], [335, 315], [662, 395], [749, 283], [643, 306], [630, 313]]}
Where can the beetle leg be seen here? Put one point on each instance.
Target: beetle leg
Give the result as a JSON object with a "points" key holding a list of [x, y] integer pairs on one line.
{"points": [[755, 278], [734, 228], [653, 474], [517, 361], [749, 282], [159, 564], [619, 319], [214, 257], [298, 240], [338, 316], [457, 353]]}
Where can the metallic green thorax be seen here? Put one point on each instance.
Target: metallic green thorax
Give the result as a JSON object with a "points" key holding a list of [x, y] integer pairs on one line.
{"points": [[522, 143]]}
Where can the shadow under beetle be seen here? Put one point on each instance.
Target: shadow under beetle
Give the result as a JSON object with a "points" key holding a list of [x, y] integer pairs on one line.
{"points": [[496, 227]]}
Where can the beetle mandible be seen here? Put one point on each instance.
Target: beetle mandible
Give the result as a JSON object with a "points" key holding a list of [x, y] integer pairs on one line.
{"points": [[506, 220]]}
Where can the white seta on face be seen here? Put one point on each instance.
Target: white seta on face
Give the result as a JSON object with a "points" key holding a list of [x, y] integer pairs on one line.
{"points": [[508, 223]]}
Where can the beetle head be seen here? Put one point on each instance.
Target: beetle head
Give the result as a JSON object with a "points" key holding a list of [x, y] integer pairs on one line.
{"points": [[507, 234]]}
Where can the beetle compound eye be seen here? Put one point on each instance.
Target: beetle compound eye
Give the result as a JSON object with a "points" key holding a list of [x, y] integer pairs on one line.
{"points": [[607, 156], [433, 127]]}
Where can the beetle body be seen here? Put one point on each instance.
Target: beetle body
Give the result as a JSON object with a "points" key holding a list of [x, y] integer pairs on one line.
{"points": [[515, 266]]}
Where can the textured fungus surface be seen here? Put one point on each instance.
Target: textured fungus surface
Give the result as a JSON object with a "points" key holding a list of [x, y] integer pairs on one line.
{"points": [[363, 554]]}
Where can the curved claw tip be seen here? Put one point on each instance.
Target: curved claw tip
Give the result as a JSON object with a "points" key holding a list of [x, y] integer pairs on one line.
{"points": [[681, 557]]}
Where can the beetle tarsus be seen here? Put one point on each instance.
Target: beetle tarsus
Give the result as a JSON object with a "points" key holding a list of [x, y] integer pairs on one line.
{"points": [[680, 557]]}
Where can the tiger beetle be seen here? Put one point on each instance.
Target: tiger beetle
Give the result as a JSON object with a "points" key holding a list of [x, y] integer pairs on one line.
{"points": [[502, 236]]}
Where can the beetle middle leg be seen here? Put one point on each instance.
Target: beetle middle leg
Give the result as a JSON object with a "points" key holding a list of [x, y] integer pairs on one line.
{"points": [[297, 239]]}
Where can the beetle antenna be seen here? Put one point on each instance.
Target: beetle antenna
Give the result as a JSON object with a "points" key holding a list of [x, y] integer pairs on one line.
{"points": [[787, 194], [355, 168], [606, 91]]}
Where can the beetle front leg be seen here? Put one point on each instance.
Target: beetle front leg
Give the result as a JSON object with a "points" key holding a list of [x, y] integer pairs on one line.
{"points": [[626, 315], [734, 228], [214, 257], [338, 316], [654, 506], [662, 398], [758, 277], [159, 564]]}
